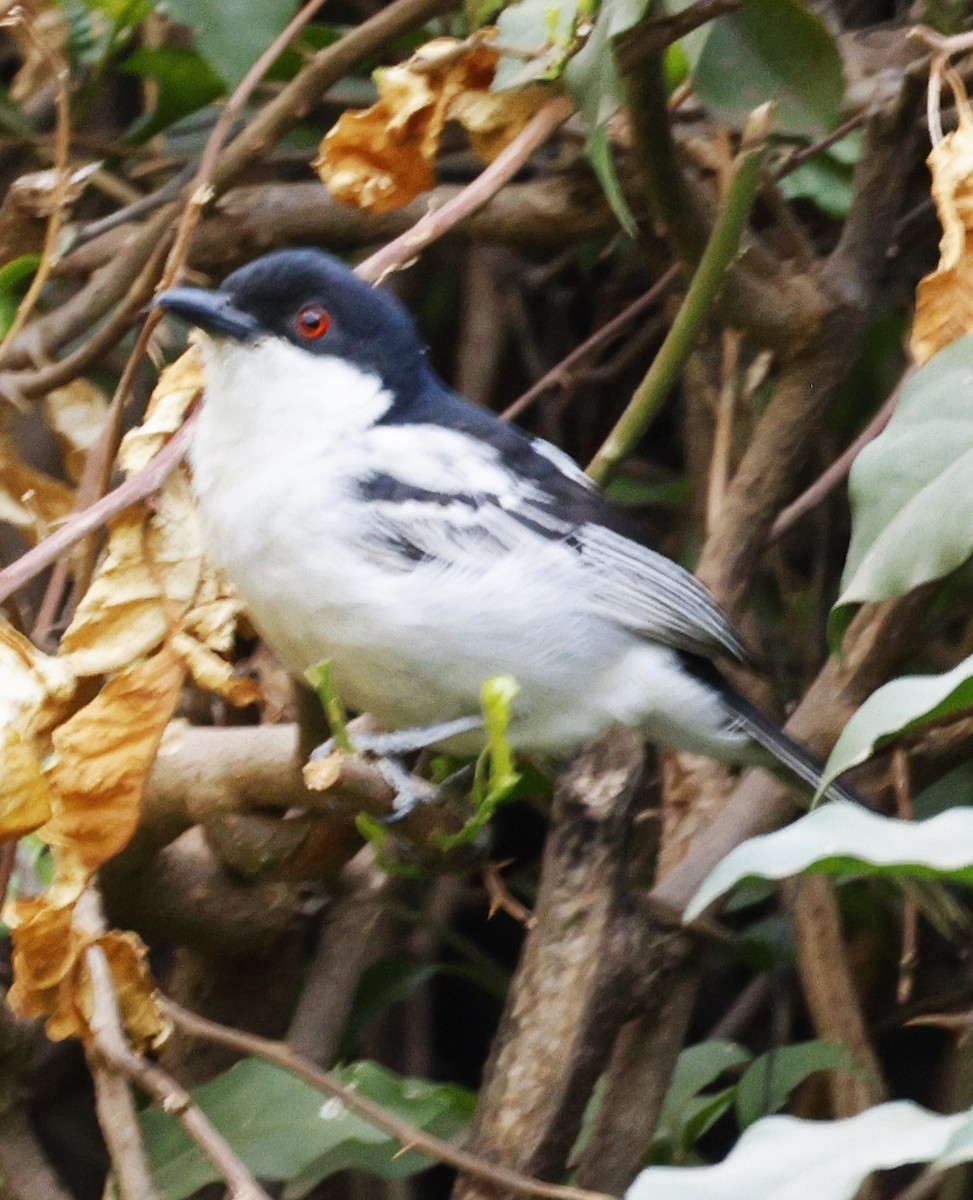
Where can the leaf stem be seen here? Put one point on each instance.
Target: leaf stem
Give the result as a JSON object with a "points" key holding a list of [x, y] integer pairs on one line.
{"points": [[661, 376]]}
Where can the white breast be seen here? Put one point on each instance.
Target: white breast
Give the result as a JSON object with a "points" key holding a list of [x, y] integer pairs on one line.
{"points": [[283, 440]]}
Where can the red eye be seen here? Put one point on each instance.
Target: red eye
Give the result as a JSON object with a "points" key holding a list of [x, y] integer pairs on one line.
{"points": [[312, 322]]}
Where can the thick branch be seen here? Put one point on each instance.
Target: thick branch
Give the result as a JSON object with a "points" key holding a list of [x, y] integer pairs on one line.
{"points": [[253, 219], [785, 434], [566, 1002]]}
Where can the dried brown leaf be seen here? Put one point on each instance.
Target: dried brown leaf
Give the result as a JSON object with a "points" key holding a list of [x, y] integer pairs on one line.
{"points": [[135, 990], [34, 688], [30, 500], [179, 385], [103, 755], [76, 415], [383, 157], [944, 301], [25, 800], [214, 673], [144, 586], [44, 948]]}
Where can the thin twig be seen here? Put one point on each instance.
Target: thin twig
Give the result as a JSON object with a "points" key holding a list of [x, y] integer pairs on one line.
{"points": [[80, 524], [30, 384], [696, 307], [910, 911], [610, 330], [433, 225], [138, 208], [62, 178], [201, 190], [836, 473], [111, 1046], [410, 1136], [114, 1103], [793, 161]]}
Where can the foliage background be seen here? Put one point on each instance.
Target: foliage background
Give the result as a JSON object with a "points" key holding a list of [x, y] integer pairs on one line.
{"points": [[149, 740]]}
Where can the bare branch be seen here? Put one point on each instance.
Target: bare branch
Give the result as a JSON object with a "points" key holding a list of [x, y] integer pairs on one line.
{"points": [[410, 1136]]}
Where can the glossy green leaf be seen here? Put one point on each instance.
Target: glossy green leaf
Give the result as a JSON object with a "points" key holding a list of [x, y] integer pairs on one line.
{"points": [[897, 706], [783, 1158], [826, 183], [185, 83], [285, 1130], [543, 31], [843, 838], [777, 51], [591, 77], [14, 278], [911, 488], [231, 34], [688, 1111], [768, 1082]]}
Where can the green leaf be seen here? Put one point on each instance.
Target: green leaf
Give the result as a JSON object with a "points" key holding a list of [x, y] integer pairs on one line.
{"points": [[14, 278], [778, 51], [769, 1081], [823, 181], [686, 1114], [913, 520], [543, 30], [231, 34], [783, 1157], [496, 777], [591, 78], [186, 83], [841, 838], [283, 1129], [898, 706]]}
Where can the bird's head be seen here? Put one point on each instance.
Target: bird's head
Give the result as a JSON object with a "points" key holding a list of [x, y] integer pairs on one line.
{"points": [[304, 307]]}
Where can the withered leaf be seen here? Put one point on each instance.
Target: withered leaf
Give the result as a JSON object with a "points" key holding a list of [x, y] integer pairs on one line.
{"points": [[76, 416], [944, 301], [44, 945], [135, 990], [383, 157], [144, 585], [30, 500], [179, 385], [102, 756], [25, 801], [214, 673], [34, 687]]}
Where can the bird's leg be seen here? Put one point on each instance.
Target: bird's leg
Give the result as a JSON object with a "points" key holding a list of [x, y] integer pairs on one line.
{"points": [[409, 791], [403, 741], [386, 748]]}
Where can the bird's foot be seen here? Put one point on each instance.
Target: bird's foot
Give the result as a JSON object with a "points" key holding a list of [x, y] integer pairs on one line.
{"points": [[402, 741], [386, 748]]}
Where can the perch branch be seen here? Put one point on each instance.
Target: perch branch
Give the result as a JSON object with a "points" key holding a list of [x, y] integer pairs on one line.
{"points": [[410, 1136]]}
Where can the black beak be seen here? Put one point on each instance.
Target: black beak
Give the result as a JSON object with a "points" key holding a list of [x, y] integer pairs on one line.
{"points": [[212, 311]]}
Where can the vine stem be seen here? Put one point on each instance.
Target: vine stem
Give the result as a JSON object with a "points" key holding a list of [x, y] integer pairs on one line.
{"points": [[720, 250]]}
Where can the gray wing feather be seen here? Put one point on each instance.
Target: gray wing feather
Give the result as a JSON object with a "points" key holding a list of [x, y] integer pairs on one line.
{"points": [[655, 597], [625, 581]]}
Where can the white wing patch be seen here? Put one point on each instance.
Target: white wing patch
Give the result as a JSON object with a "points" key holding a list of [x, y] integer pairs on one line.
{"points": [[564, 462]]}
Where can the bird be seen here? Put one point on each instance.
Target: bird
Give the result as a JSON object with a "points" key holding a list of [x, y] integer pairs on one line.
{"points": [[370, 516]]}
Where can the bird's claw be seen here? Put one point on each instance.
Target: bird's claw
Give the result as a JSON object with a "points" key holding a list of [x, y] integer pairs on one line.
{"points": [[386, 748]]}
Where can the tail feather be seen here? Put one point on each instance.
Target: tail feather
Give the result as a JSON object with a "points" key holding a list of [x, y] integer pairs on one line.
{"points": [[791, 754]]}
